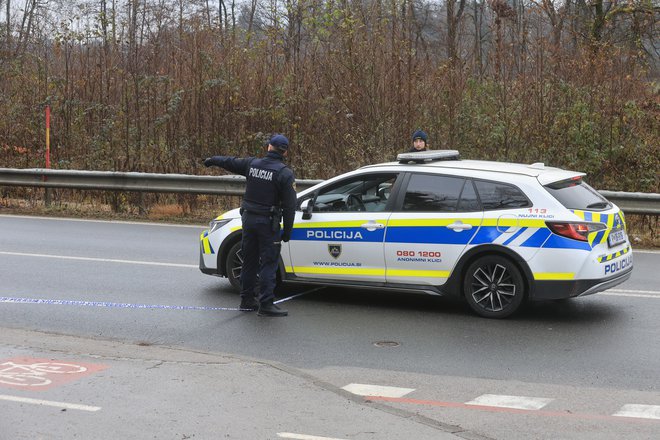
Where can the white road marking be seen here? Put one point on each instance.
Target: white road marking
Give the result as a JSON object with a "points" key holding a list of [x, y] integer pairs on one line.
{"points": [[639, 411], [376, 390], [102, 260], [516, 402], [646, 251], [632, 293], [650, 292], [49, 403], [303, 436], [64, 219]]}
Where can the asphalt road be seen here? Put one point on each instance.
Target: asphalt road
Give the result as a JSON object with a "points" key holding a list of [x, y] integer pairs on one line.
{"points": [[578, 362]]}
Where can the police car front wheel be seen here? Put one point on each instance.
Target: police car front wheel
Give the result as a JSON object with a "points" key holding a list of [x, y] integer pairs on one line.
{"points": [[234, 265], [493, 287]]}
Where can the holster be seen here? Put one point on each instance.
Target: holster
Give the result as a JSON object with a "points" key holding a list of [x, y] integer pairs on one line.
{"points": [[275, 218]]}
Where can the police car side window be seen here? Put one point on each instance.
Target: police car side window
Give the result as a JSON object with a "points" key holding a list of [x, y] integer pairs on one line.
{"points": [[363, 193], [469, 201], [432, 193], [496, 195]]}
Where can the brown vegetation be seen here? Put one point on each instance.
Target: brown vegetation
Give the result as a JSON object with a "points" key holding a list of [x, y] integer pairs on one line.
{"points": [[155, 86]]}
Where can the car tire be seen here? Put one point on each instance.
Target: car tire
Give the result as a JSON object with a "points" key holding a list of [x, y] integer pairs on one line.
{"points": [[493, 286], [234, 265]]}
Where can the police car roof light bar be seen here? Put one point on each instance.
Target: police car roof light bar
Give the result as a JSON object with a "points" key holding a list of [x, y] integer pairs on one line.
{"points": [[428, 156]]}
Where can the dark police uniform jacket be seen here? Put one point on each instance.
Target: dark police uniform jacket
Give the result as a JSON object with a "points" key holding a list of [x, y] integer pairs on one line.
{"points": [[270, 183]]}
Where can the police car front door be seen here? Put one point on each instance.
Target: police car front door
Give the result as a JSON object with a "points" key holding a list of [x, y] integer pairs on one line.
{"points": [[343, 240], [330, 246]]}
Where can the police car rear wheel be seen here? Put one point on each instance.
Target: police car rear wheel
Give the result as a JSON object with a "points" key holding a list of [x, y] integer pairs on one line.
{"points": [[493, 287], [234, 266]]}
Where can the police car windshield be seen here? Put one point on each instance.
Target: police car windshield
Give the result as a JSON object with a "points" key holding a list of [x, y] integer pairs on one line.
{"points": [[347, 189], [576, 194]]}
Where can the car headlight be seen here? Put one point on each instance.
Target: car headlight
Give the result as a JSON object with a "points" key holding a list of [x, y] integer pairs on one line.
{"points": [[214, 225]]}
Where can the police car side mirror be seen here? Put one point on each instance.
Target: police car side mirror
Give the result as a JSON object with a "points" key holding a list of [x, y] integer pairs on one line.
{"points": [[307, 206]]}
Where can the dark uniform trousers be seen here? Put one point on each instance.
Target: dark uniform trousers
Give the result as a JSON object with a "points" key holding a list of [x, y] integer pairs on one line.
{"points": [[260, 242]]}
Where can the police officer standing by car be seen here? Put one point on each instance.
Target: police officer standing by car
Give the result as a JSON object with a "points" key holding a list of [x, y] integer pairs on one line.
{"points": [[419, 139], [270, 194]]}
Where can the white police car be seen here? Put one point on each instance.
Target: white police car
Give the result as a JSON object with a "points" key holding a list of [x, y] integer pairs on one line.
{"points": [[497, 234]]}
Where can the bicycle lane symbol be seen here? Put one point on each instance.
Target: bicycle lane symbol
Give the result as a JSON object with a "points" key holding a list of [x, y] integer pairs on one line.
{"points": [[41, 374]]}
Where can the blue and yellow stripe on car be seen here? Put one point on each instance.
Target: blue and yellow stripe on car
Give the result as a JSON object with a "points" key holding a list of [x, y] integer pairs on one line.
{"points": [[606, 258], [206, 245], [611, 222], [435, 231]]}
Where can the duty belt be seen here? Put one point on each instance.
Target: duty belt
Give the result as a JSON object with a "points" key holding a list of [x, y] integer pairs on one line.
{"points": [[261, 213]]}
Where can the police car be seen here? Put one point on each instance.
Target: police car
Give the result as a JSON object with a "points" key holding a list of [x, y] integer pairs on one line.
{"points": [[496, 234]]}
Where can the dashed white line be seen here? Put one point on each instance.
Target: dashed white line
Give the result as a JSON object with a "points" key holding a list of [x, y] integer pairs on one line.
{"points": [[516, 402], [49, 403], [650, 292], [631, 295], [639, 411], [303, 436], [361, 389], [102, 260]]}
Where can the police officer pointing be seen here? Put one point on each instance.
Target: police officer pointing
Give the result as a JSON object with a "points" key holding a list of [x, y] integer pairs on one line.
{"points": [[270, 194]]}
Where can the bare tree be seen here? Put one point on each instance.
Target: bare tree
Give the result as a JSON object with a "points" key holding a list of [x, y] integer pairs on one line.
{"points": [[8, 25], [455, 10]]}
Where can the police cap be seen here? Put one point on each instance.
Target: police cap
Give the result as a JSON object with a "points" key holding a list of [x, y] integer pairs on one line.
{"points": [[279, 141]]}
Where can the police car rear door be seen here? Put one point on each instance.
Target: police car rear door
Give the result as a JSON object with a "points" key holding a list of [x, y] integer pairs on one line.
{"points": [[435, 218], [343, 239]]}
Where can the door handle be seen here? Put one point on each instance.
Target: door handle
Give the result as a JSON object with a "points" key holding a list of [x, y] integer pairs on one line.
{"points": [[372, 226], [459, 226]]}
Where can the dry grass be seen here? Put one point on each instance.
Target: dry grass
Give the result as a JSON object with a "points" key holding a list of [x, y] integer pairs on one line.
{"points": [[643, 230]]}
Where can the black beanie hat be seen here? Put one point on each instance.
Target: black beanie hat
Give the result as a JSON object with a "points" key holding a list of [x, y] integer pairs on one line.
{"points": [[419, 134]]}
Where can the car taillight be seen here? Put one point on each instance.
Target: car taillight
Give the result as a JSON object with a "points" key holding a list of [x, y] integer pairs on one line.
{"points": [[576, 231]]}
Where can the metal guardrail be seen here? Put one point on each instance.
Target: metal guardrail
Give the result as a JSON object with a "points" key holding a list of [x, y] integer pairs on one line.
{"points": [[632, 203], [117, 181]]}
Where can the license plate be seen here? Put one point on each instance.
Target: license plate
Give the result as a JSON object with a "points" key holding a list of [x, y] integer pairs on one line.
{"points": [[616, 237]]}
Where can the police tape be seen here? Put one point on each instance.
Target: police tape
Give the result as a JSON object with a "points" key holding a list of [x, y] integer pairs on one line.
{"points": [[66, 302]]}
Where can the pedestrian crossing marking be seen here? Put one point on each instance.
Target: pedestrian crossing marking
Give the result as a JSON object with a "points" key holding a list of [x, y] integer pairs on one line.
{"points": [[516, 402], [639, 411], [361, 389]]}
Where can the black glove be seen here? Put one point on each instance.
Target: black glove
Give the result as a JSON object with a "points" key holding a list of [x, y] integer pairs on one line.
{"points": [[208, 162], [286, 237]]}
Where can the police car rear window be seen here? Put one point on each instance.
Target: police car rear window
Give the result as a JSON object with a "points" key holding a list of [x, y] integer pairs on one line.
{"points": [[577, 194], [495, 195]]}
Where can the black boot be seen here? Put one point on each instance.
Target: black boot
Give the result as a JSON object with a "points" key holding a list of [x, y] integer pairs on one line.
{"points": [[248, 304], [267, 308]]}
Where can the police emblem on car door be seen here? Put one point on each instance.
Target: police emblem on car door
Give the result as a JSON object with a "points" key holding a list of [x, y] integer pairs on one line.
{"points": [[334, 250]]}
